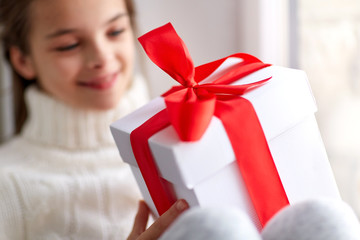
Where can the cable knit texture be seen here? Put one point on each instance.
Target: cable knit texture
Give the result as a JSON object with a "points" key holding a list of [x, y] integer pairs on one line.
{"points": [[62, 177]]}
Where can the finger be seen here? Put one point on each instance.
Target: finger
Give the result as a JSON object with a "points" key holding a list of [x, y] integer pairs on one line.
{"points": [[164, 221], [140, 221], [141, 218]]}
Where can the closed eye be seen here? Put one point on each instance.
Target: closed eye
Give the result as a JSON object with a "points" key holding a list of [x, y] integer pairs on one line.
{"points": [[67, 47], [116, 32]]}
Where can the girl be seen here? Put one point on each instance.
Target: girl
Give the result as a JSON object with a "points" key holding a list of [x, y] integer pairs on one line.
{"points": [[61, 177]]}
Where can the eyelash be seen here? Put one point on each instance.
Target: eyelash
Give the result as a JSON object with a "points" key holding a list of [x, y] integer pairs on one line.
{"points": [[67, 48], [73, 46], [116, 32]]}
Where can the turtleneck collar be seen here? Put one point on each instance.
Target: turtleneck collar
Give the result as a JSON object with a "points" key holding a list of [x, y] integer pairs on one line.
{"points": [[52, 123]]}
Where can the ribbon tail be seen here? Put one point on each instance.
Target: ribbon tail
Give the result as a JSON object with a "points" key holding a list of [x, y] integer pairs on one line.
{"points": [[231, 89], [253, 64], [253, 156]]}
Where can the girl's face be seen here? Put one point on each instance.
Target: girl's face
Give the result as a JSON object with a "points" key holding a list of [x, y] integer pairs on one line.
{"points": [[81, 51]]}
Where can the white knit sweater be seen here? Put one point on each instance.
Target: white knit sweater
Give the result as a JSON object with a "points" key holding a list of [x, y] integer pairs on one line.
{"points": [[62, 177]]}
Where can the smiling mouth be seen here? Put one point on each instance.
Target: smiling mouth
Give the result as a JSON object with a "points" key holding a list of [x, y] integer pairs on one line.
{"points": [[100, 83]]}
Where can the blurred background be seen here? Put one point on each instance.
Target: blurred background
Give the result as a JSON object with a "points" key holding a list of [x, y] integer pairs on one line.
{"points": [[320, 37]]}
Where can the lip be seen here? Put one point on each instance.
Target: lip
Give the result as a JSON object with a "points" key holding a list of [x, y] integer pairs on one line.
{"points": [[100, 83]]}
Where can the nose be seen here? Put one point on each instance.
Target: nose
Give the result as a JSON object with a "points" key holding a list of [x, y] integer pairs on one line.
{"points": [[97, 55]]}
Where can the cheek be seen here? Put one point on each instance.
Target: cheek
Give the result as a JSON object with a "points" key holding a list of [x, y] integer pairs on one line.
{"points": [[58, 75], [52, 69], [66, 69], [127, 54], [125, 50]]}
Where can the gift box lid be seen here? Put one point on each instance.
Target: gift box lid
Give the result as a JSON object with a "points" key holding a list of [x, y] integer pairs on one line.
{"points": [[280, 104]]}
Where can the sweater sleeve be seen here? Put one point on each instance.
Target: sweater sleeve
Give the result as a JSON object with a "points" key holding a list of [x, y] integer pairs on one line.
{"points": [[11, 218]]}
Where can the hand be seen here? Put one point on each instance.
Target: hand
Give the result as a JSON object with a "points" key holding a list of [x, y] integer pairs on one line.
{"points": [[139, 231]]}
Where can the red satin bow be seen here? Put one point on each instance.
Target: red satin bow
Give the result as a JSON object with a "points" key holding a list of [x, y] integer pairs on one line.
{"points": [[190, 108]]}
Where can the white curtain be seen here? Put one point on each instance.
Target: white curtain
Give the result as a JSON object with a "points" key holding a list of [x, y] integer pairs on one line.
{"points": [[7, 124], [211, 29]]}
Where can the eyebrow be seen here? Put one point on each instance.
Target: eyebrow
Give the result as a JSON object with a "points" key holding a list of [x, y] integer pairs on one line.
{"points": [[71, 30], [116, 17]]}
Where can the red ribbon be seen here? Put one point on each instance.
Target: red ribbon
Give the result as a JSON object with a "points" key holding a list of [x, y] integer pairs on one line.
{"points": [[189, 110]]}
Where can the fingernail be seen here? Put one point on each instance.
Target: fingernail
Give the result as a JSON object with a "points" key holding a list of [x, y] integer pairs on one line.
{"points": [[181, 205]]}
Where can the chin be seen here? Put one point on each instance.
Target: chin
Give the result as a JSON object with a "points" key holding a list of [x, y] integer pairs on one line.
{"points": [[96, 105], [101, 102], [104, 106]]}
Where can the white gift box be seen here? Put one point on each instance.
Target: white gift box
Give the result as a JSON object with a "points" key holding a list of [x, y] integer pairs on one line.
{"points": [[205, 172]]}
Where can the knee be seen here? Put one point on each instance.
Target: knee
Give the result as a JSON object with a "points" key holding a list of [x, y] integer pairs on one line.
{"points": [[315, 219], [211, 224]]}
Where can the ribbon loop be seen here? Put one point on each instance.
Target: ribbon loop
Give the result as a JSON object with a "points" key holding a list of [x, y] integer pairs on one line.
{"points": [[190, 114], [173, 56]]}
